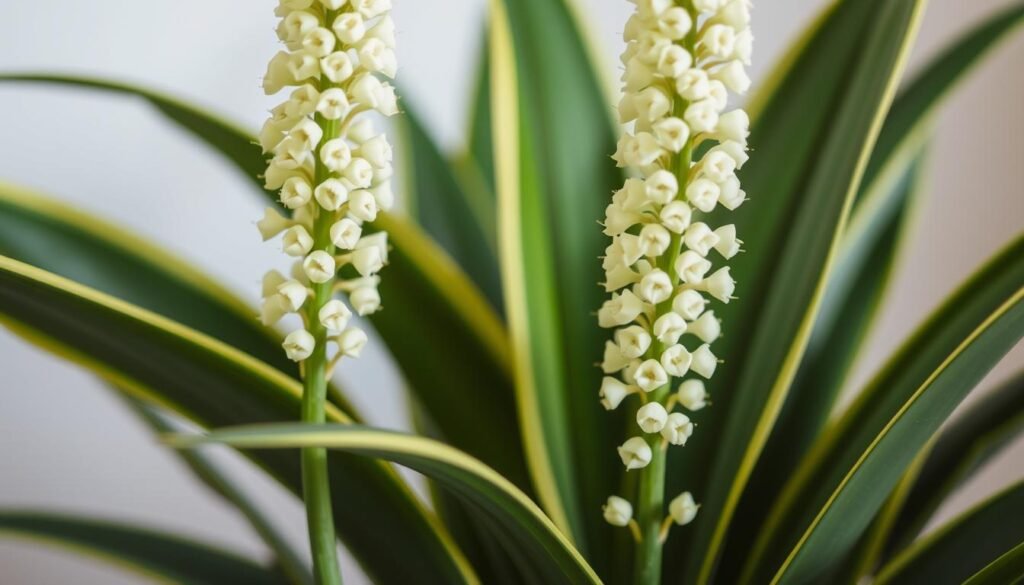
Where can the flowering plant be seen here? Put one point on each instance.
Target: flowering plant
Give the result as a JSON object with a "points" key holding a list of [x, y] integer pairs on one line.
{"points": [[623, 349]]}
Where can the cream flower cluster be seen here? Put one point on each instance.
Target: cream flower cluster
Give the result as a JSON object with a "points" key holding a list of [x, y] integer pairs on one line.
{"points": [[682, 61], [332, 168]]}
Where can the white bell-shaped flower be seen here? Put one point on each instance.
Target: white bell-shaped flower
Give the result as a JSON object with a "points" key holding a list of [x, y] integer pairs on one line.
{"points": [[669, 328], [678, 429], [633, 341], [362, 205], [692, 394], [367, 261], [345, 234], [707, 327], [672, 134], [635, 453], [334, 316], [650, 376], [702, 116], [336, 155], [703, 194], [617, 511], [676, 361], [700, 239], [651, 417], [294, 293], [704, 362], [614, 360], [691, 267], [299, 345], [683, 509], [661, 187], [351, 342], [676, 216], [655, 287], [365, 300], [337, 67], [349, 27], [297, 242], [720, 285], [272, 223], [331, 194], [728, 245], [613, 392], [689, 304], [333, 104], [319, 267]]}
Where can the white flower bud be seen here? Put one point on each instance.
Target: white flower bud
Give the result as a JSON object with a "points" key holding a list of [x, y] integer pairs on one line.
{"points": [[700, 238], [654, 240], [336, 67], [689, 304], [296, 193], [273, 309], [376, 151], [650, 376], [351, 342], [278, 74], [735, 14], [613, 392], [334, 315], [669, 328], [676, 216], [731, 196], [637, 75], [683, 509], [302, 66], [620, 309], [728, 245], [319, 267], [674, 23], [652, 104], [734, 126], [294, 293], [333, 104], [707, 328], [627, 109], [272, 223], [734, 76], [655, 287], [718, 166], [718, 41], [617, 512], [635, 453], [371, 8], [721, 285], [365, 300], [744, 46], [375, 56], [336, 155], [272, 280], [345, 234], [359, 172], [384, 31], [349, 27], [298, 24], [692, 395], [737, 151], [651, 417], [613, 360], [362, 205], [672, 134], [691, 267], [661, 187], [676, 361], [692, 84], [384, 195], [701, 116], [674, 61], [633, 341], [367, 261], [319, 42], [678, 429], [703, 194], [704, 362], [331, 194], [299, 345], [649, 46], [297, 241]]}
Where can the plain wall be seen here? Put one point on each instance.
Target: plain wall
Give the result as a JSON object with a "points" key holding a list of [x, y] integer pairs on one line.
{"points": [[67, 444]]}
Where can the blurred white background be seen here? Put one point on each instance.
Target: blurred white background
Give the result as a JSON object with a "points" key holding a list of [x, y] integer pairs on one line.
{"points": [[66, 444]]}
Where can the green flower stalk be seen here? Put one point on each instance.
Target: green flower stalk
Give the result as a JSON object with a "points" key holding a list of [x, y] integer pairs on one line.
{"points": [[682, 60], [334, 172]]}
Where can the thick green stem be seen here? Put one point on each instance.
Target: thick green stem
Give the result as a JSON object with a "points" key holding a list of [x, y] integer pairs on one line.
{"points": [[316, 489]]}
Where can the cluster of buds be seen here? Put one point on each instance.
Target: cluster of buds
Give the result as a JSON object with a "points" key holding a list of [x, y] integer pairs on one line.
{"points": [[332, 168], [682, 61]]}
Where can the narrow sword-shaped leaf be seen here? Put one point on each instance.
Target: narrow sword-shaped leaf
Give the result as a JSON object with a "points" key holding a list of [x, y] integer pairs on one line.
{"points": [[1008, 568], [830, 108], [213, 385], [963, 547], [530, 532], [156, 555], [844, 480]]}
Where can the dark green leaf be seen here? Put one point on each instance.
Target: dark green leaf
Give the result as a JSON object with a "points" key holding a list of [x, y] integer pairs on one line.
{"points": [[446, 209], [965, 546], [1006, 570], [146, 552], [828, 111], [852, 469], [553, 141], [426, 296], [214, 385], [973, 438], [528, 530]]}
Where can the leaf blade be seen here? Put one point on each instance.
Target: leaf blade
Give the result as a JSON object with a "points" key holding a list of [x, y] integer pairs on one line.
{"points": [[215, 385], [552, 552], [143, 551]]}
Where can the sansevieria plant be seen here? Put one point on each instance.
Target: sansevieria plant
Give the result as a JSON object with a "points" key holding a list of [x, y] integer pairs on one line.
{"points": [[623, 342]]}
